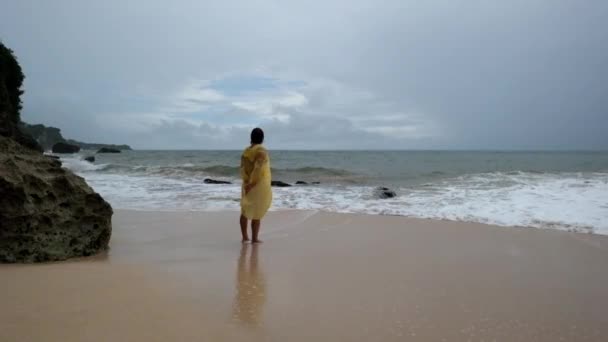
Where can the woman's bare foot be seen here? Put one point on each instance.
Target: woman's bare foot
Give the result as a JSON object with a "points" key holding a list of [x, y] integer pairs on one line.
{"points": [[245, 240], [257, 241]]}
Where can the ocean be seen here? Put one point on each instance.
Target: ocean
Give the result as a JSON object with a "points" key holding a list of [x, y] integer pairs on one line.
{"points": [[553, 190]]}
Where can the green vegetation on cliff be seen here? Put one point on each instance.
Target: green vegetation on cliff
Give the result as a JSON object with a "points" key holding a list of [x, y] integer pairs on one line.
{"points": [[11, 80]]}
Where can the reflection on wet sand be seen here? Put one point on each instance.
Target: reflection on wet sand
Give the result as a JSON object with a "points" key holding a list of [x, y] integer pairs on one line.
{"points": [[250, 288]]}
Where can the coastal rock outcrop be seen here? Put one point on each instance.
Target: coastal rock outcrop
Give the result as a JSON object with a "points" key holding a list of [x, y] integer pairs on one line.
{"points": [[383, 193], [62, 147], [90, 159], [47, 136], [46, 212], [215, 181], [108, 150]]}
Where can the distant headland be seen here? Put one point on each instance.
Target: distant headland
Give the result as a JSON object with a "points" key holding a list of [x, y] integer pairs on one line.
{"points": [[47, 136]]}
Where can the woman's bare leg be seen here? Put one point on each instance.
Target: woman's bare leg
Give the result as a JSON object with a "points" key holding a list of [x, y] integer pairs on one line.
{"points": [[244, 228], [255, 230]]}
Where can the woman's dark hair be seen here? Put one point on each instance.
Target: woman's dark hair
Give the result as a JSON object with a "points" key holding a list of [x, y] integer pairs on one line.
{"points": [[257, 136]]}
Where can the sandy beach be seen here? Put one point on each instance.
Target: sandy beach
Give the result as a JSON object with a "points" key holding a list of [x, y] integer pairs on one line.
{"points": [[185, 276]]}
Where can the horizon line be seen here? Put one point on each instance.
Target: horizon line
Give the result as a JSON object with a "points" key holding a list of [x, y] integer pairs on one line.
{"points": [[386, 150]]}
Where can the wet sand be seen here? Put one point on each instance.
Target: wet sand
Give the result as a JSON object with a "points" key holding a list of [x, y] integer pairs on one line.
{"points": [[317, 276]]}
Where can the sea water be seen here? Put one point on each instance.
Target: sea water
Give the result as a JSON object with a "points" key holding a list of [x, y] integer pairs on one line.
{"points": [[555, 190]]}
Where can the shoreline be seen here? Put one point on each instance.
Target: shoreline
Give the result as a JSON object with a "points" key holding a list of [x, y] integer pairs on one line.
{"points": [[281, 210], [353, 277]]}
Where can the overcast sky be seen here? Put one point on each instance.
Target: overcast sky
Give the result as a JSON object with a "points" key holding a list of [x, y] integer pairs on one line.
{"points": [[446, 74]]}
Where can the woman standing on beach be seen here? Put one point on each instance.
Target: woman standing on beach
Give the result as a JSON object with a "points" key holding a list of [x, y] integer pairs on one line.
{"points": [[256, 194]]}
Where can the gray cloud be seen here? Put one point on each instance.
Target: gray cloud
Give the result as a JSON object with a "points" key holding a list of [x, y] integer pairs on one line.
{"points": [[345, 74]]}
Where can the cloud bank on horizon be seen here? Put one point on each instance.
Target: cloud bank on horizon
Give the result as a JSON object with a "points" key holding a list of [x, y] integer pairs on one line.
{"points": [[356, 74]]}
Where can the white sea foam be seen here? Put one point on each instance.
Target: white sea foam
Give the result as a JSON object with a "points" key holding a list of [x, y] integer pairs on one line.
{"points": [[566, 201], [78, 164]]}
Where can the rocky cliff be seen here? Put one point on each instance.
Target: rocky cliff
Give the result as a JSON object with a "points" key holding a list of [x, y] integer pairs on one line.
{"points": [[46, 212]]}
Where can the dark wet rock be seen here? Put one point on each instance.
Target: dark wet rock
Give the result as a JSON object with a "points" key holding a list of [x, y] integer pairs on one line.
{"points": [[108, 150], [382, 192], [27, 141], [55, 159], [94, 146], [307, 183], [214, 181], [90, 159], [62, 147], [279, 184], [47, 212]]}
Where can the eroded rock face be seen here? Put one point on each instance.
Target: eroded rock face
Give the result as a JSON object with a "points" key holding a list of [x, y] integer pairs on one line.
{"points": [[46, 212]]}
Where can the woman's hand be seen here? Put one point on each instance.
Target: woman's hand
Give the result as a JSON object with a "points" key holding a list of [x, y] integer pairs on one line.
{"points": [[248, 187]]}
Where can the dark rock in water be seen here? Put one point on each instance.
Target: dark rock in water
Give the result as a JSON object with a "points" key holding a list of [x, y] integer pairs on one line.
{"points": [[61, 147], [94, 146], [279, 184], [382, 192], [46, 212], [108, 150], [90, 159], [213, 181], [306, 183]]}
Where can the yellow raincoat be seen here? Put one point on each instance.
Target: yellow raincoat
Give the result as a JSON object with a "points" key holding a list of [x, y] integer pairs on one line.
{"points": [[255, 168]]}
